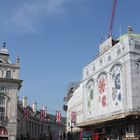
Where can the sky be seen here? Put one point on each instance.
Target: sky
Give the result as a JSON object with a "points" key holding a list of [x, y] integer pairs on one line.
{"points": [[55, 39]]}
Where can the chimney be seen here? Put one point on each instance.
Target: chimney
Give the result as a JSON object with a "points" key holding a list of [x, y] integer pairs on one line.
{"points": [[24, 101], [34, 107], [17, 60], [130, 30], [45, 110]]}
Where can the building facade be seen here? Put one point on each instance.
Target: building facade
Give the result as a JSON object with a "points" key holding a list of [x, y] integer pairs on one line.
{"points": [[19, 121], [75, 108], [9, 87], [38, 125], [110, 91]]}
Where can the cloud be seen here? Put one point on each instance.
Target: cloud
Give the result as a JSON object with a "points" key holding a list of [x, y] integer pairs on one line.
{"points": [[28, 15]]}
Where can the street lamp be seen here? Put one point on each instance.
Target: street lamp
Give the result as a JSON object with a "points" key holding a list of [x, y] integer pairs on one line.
{"points": [[71, 127]]}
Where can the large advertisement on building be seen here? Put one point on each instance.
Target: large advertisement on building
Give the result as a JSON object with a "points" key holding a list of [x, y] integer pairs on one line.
{"points": [[103, 93], [116, 88]]}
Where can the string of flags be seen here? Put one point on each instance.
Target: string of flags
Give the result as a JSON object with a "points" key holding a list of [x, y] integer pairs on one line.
{"points": [[58, 117], [73, 117], [40, 115], [26, 113]]}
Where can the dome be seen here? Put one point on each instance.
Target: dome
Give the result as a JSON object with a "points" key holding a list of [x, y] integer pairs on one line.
{"points": [[4, 50], [4, 55]]}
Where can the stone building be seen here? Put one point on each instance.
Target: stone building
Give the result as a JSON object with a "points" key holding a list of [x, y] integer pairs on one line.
{"points": [[74, 104], [9, 87], [18, 121], [38, 125], [107, 99]]}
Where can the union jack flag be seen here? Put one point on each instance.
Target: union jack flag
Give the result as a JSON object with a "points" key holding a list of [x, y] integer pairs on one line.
{"points": [[73, 117], [58, 116], [26, 113], [42, 115]]}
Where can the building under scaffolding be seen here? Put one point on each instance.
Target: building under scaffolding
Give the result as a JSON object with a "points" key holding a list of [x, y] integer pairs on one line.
{"points": [[109, 92]]}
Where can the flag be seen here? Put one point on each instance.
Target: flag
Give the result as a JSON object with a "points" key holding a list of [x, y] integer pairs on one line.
{"points": [[26, 113], [73, 117], [58, 116], [42, 114]]}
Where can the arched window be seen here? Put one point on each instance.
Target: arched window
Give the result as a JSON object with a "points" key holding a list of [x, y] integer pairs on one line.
{"points": [[2, 108], [102, 88], [90, 96], [8, 74], [116, 84]]}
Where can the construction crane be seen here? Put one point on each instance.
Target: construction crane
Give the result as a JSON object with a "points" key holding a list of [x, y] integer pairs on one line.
{"points": [[112, 18]]}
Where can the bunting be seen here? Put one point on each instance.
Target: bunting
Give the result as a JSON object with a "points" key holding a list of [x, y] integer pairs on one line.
{"points": [[73, 117], [42, 115], [26, 113], [58, 116]]}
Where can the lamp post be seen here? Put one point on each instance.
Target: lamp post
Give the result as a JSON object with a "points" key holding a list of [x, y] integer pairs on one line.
{"points": [[71, 127], [73, 121]]}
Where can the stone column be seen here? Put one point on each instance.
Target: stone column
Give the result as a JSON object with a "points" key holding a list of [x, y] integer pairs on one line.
{"points": [[12, 138]]}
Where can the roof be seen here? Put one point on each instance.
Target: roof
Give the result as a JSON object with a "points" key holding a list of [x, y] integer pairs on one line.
{"points": [[4, 51], [4, 55], [122, 37]]}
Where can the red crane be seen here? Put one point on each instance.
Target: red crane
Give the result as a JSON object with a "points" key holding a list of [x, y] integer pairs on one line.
{"points": [[112, 18]]}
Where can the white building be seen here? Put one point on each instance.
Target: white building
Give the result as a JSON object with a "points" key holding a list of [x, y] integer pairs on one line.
{"points": [[9, 87], [34, 124], [110, 91], [74, 105]]}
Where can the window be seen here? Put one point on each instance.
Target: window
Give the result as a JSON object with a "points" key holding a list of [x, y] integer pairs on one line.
{"points": [[118, 51], [2, 112], [93, 68], [138, 64], [2, 108], [8, 74], [2, 72], [68, 124], [109, 57], [87, 73], [101, 61], [2, 100], [48, 128], [137, 45], [1, 88]]}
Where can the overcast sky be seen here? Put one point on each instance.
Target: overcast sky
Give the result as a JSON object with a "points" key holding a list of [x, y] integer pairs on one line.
{"points": [[55, 39]]}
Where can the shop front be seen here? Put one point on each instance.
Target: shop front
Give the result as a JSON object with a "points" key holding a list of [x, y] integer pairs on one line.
{"points": [[3, 133]]}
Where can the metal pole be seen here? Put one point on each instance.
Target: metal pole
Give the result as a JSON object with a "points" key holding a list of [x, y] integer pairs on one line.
{"points": [[71, 131]]}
